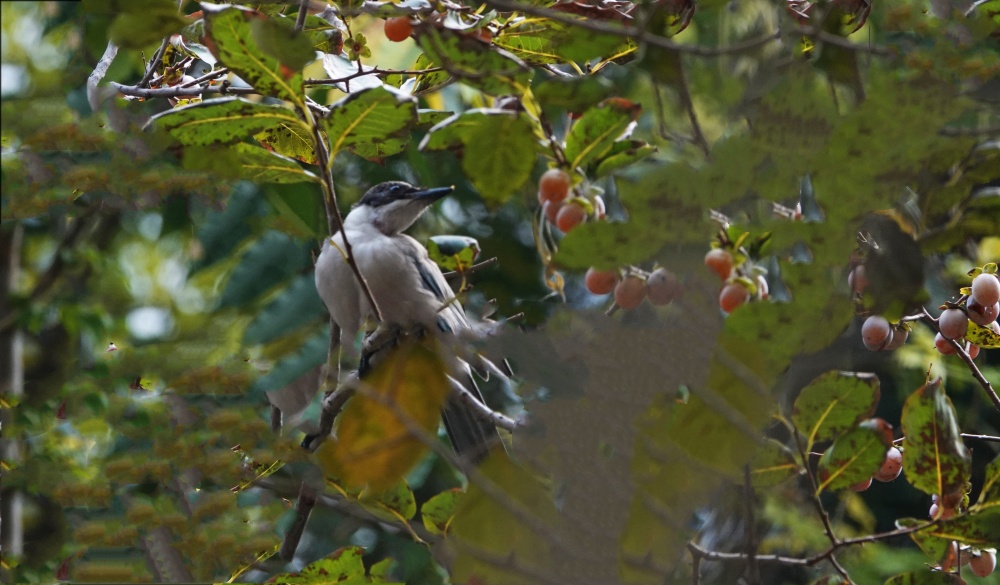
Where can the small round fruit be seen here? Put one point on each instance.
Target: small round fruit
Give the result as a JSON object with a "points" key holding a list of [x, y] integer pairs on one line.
{"points": [[857, 279], [892, 466], [953, 323], [600, 282], [398, 28], [861, 485], [570, 216], [985, 289], [553, 185], [876, 333], [973, 351], [982, 314], [630, 292], [984, 564], [943, 345], [661, 286], [899, 335], [733, 295], [720, 262], [946, 513], [550, 209]]}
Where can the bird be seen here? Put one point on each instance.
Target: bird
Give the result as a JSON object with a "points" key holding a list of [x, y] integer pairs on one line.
{"points": [[409, 289]]}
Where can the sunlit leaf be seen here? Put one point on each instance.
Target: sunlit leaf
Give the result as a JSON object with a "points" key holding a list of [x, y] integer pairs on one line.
{"points": [[373, 123], [594, 134], [853, 457], [492, 70], [438, 511], [262, 166], [498, 149], [833, 403], [773, 464], [936, 461], [222, 121]]}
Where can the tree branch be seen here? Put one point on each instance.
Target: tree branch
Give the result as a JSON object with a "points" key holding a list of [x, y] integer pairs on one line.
{"points": [[303, 508], [973, 368], [151, 66], [480, 410]]}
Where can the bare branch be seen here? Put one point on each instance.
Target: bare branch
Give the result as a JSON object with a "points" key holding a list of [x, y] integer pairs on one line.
{"points": [[303, 508], [93, 94], [300, 20], [472, 269], [151, 66]]}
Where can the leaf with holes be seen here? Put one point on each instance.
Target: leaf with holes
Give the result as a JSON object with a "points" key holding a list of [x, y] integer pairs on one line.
{"points": [[222, 121], [936, 461], [489, 69], [373, 123], [833, 403]]}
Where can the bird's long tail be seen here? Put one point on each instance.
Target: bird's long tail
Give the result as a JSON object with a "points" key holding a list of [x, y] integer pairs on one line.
{"points": [[471, 436]]}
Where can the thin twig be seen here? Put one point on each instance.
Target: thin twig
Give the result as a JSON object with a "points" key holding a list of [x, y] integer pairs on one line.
{"points": [[153, 64], [814, 497], [303, 508], [472, 269], [753, 570], [335, 221], [177, 91], [300, 20]]}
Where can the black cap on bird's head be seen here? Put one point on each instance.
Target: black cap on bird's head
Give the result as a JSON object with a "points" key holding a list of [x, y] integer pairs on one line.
{"points": [[393, 206]]}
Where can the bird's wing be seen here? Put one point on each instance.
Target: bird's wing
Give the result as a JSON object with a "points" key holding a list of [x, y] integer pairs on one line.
{"points": [[451, 318]]}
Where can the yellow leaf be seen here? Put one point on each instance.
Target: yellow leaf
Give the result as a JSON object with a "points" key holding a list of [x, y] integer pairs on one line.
{"points": [[379, 434]]}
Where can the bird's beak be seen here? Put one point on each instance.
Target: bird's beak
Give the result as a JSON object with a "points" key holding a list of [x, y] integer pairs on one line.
{"points": [[433, 194]]}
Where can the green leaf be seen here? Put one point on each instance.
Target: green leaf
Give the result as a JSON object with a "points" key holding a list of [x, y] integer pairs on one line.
{"points": [[991, 484], [140, 24], [931, 546], [344, 566], [234, 42], [925, 577], [575, 94], [262, 166], [373, 123], [853, 457], [278, 39], [833, 403], [296, 306], [222, 121], [498, 149], [980, 527], [594, 134], [773, 464], [271, 259], [489, 69], [438, 511], [936, 460], [291, 140], [622, 154], [398, 498], [453, 252]]}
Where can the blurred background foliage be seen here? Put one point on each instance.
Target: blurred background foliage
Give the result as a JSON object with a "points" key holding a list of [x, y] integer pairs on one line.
{"points": [[159, 298]]}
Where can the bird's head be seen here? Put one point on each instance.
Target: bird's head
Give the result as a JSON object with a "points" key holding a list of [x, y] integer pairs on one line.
{"points": [[393, 206]]}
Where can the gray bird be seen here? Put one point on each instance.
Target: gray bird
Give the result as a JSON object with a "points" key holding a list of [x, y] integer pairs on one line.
{"points": [[408, 288]]}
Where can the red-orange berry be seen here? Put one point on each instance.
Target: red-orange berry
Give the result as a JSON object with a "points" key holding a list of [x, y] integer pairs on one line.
{"points": [[398, 28]]}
